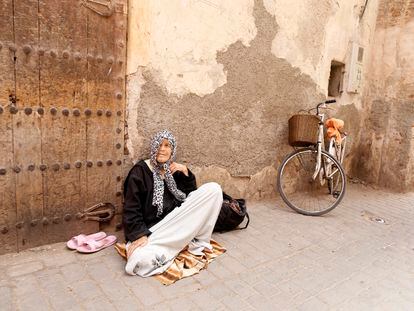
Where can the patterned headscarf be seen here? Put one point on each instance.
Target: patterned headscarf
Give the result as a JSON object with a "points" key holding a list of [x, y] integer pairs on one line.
{"points": [[158, 198]]}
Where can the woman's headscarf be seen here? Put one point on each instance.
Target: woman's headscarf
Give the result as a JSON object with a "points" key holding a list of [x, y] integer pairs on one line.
{"points": [[158, 198]]}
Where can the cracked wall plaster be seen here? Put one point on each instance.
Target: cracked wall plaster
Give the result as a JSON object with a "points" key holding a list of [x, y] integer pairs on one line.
{"points": [[387, 141], [177, 40], [233, 132]]}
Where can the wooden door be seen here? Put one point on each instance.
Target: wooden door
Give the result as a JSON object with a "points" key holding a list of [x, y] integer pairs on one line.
{"points": [[62, 106]]}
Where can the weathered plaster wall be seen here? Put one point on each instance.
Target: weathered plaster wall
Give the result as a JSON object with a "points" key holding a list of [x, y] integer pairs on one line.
{"points": [[312, 33], [225, 77], [179, 40], [387, 144]]}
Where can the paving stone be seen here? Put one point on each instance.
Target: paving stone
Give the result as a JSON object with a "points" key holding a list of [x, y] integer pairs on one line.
{"points": [[18, 258], [88, 257], [254, 276], [6, 298], [244, 257], [183, 287], [127, 303], [219, 270], [99, 303], [391, 304], [205, 277], [74, 272], [282, 261], [60, 296], [219, 290], [24, 285], [259, 302], [312, 285], [235, 302], [205, 301], [132, 282], [114, 262], [99, 271], [265, 288], [184, 282], [148, 295], [114, 289], [339, 293], [281, 271], [291, 288], [240, 287], [59, 259], [24, 268], [313, 304], [5, 282], [28, 296], [232, 264], [49, 277], [164, 306], [225, 239], [4, 278], [86, 290], [358, 304], [259, 256], [182, 304]]}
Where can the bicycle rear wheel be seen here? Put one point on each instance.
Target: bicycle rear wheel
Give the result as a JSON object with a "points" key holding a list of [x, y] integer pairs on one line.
{"points": [[304, 194]]}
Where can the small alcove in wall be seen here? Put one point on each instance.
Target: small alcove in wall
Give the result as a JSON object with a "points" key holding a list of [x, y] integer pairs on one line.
{"points": [[336, 79]]}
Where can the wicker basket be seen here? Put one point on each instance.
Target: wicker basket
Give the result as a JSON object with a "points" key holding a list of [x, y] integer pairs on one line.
{"points": [[303, 130]]}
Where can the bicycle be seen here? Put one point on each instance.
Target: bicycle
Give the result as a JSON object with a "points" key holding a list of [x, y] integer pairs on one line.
{"points": [[311, 180]]}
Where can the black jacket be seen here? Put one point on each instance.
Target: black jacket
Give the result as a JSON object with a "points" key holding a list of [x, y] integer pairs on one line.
{"points": [[139, 214]]}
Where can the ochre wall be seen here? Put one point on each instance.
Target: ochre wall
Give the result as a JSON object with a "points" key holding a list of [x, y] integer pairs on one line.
{"points": [[387, 142], [225, 76]]}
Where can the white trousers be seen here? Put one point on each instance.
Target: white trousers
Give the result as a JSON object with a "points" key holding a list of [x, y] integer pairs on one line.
{"points": [[190, 224]]}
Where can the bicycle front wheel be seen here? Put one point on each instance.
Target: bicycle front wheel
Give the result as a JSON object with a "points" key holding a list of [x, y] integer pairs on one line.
{"points": [[304, 194]]}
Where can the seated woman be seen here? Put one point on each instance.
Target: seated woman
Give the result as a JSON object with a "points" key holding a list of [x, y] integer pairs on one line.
{"points": [[164, 211]]}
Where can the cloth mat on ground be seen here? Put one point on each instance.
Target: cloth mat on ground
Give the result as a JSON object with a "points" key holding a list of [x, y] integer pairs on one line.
{"points": [[185, 264]]}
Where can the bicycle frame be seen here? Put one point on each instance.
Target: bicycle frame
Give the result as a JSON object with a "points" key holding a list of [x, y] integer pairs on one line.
{"points": [[320, 145], [335, 149], [338, 150], [314, 161]]}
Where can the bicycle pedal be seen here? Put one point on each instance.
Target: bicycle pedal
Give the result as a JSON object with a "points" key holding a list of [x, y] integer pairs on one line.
{"points": [[336, 194]]}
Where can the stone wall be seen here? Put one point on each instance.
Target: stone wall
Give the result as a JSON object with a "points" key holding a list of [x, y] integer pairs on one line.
{"points": [[387, 142], [225, 76]]}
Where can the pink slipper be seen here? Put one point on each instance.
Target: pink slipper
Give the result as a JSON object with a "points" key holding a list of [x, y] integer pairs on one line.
{"points": [[92, 246], [81, 239]]}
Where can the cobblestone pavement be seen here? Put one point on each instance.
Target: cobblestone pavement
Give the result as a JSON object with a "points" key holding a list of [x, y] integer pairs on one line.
{"points": [[344, 260]]}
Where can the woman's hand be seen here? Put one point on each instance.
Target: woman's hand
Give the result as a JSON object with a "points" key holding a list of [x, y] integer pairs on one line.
{"points": [[174, 167], [142, 241]]}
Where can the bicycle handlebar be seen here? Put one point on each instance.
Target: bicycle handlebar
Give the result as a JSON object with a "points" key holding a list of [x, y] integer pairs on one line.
{"points": [[329, 101]]}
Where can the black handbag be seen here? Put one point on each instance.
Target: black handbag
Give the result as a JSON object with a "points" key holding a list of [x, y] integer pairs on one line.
{"points": [[232, 214]]}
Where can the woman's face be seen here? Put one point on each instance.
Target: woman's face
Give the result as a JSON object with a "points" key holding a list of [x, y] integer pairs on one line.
{"points": [[164, 152]]}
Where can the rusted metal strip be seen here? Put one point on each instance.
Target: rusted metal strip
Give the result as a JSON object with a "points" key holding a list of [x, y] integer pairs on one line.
{"points": [[100, 7], [101, 212]]}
